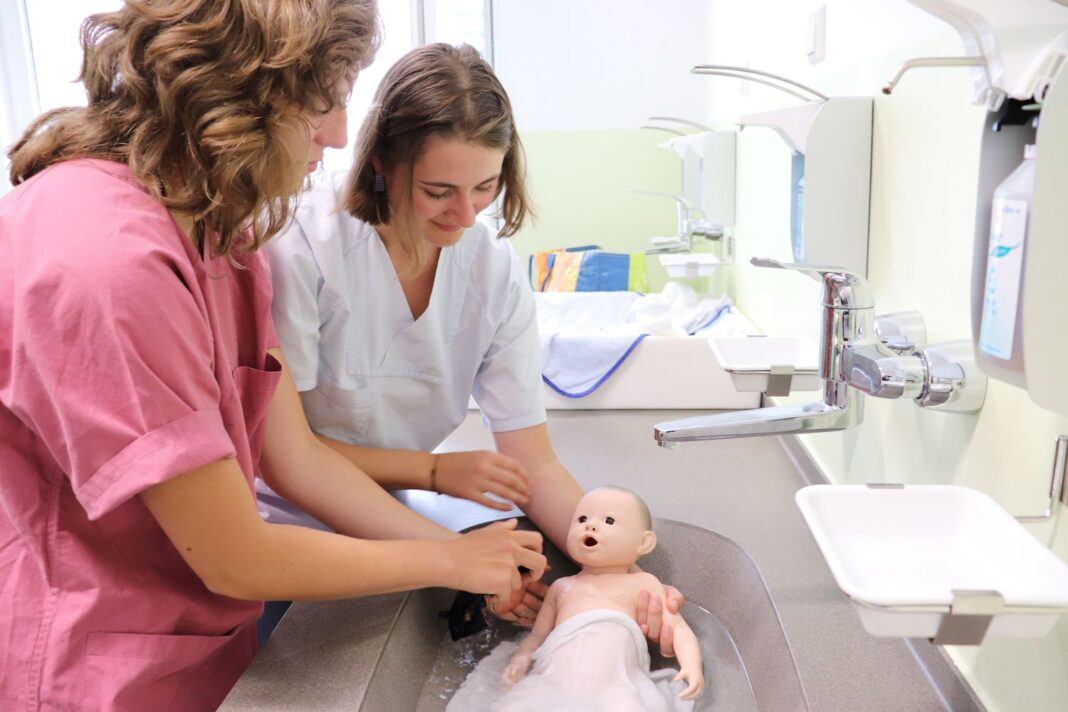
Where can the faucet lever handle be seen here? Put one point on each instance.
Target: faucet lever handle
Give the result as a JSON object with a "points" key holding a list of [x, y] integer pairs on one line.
{"points": [[842, 287]]}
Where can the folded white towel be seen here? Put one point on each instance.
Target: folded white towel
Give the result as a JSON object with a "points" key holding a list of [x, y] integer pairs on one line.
{"points": [[676, 310]]}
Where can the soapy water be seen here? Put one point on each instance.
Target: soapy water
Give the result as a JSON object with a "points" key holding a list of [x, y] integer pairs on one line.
{"points": [[456, 660], [726, 681]]}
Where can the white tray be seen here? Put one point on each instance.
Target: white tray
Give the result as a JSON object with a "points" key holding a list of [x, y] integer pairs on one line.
{"points": [[903, 555], [690, 264], [749, 361]]}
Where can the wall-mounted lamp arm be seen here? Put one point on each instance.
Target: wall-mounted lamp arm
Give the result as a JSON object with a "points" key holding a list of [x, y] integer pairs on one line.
{"points": [[684, 122], [753, 75], [935, 62], [662, 128]]}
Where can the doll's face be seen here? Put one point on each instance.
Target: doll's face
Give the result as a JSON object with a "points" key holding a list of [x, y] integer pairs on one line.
{"points": [[607, 530]]}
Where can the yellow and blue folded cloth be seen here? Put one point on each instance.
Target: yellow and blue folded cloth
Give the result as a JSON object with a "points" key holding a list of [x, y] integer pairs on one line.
{"points": [[588, 269]]}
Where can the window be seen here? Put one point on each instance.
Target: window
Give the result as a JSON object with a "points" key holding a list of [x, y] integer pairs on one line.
{"points": [[40, 56], [456, 21]]}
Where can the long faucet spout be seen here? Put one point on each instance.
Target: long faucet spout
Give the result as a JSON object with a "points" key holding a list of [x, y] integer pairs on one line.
{"points": [[841, 408]]}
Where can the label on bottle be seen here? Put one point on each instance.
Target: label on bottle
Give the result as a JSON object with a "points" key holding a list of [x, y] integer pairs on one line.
{"points": [[1004, 268]]}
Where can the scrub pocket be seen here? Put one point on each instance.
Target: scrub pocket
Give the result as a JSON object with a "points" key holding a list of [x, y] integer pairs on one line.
{"points": [[340, 413], [138, 671], [255, 388]]}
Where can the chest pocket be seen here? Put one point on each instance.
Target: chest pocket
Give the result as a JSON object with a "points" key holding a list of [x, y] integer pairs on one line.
{"points": [[255, 389], [340, 413]]}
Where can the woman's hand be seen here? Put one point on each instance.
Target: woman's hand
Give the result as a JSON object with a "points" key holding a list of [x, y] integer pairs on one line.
{"points": [[523, 605], [472, 474], [650, 617], [487, 560]]}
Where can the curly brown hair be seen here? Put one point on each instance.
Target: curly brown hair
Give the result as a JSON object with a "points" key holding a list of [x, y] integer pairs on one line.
{"points": [[434, 90], [207, 102]]}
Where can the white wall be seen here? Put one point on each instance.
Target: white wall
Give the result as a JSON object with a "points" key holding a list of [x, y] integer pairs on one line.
{"points": [[589, 64]]}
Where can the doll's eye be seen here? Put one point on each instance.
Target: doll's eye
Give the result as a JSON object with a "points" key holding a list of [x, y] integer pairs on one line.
{"points": [[609, 520], [582, 519]]}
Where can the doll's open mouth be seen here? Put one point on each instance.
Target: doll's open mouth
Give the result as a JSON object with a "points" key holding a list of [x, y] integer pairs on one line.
{"points": [[589, 541]]}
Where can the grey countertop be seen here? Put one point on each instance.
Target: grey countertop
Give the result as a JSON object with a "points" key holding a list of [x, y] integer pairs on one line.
{"points": [[743, 489]]}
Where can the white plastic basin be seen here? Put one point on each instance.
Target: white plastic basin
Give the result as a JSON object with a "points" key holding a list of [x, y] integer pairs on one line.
{"points": [[689, 264], [749, 360], [901, 553]]}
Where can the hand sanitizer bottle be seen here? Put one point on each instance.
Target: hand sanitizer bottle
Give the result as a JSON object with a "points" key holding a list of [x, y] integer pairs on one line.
{"points": [[999, 332]]}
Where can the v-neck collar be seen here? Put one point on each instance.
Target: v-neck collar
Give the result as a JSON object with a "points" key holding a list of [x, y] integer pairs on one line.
{"points": [[405, 317]]}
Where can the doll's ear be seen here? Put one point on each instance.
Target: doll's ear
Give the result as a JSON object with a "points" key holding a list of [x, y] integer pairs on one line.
{"points": [[648, 543]]}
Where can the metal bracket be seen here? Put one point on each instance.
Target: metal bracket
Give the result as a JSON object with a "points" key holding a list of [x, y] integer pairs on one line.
{"points": [[1058, 492], [779, 380], [969, 617]]}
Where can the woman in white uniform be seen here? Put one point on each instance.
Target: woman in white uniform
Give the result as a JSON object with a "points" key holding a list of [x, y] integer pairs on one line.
{"points": [[394, 306]]}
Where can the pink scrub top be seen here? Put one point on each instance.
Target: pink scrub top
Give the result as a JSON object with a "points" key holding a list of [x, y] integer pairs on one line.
{"points": [[125, 360]]}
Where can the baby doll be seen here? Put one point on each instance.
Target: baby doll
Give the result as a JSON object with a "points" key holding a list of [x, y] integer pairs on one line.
{"points": [[586, 648]]}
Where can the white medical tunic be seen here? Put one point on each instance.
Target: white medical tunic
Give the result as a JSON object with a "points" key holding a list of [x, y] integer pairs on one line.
{"points": [[370, 374]]}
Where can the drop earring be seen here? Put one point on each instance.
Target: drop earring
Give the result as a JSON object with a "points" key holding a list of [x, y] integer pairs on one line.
{"points": [[380, 183]]}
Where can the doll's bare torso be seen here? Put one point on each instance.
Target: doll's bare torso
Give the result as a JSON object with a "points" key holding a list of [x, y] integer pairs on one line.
{"points": [[590, 591]]}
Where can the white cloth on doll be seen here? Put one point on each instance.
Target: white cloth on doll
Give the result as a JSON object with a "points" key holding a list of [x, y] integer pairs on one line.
{"points": [[597, 661]]}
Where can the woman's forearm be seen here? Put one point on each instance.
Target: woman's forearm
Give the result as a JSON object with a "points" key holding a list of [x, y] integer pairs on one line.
{"points": [[209, 515], [392, 469], [301, 564], [554, 492], [346, 499]]}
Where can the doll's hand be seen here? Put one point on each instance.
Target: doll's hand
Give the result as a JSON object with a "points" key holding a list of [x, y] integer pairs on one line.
{"points": [[650, 617], [472, 474], [523, 605], [517, 668], [695, 682]]}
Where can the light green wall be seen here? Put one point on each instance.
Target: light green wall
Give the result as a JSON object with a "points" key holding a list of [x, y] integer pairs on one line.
{"points": [[581, 183], [924, 173]]}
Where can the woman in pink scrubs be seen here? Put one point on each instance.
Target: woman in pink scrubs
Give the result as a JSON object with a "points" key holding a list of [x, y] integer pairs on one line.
{"points": [[141, 386]]}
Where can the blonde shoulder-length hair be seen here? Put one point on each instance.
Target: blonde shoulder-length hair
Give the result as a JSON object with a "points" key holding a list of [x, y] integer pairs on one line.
{"points": [[207, 102], [434, 90]]}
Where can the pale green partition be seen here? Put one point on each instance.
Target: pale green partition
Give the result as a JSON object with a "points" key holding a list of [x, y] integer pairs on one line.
{"points": [[581, 183]]}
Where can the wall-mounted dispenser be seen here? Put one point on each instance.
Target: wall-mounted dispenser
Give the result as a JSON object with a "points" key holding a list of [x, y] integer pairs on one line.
{"points": [[830, 186], [705, 226], [1017, 54]]}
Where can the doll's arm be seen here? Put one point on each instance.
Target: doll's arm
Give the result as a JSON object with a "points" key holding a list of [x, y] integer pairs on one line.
{"points": [[543, 625], [687, 649], [688, 652]]}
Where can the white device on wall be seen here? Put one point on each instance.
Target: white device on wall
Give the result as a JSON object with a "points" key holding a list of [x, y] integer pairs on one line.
{"points": [[830, 178], [830, 181], [1017, 55]]}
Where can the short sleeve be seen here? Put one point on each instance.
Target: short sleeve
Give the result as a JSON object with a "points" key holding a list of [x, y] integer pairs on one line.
{"points": [[112, 366], [508, 386], [295, 308]]}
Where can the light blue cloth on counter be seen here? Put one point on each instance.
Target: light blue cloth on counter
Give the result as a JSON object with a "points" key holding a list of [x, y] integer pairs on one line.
{"points": [[575, 365], [586, 336]]}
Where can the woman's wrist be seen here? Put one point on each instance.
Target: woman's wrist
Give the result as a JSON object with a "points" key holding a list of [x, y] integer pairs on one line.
{"points": [[433, 472]]}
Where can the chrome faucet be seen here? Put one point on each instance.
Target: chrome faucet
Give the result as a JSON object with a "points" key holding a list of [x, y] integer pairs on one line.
{"points": [[854, 359], [689, 223]]}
